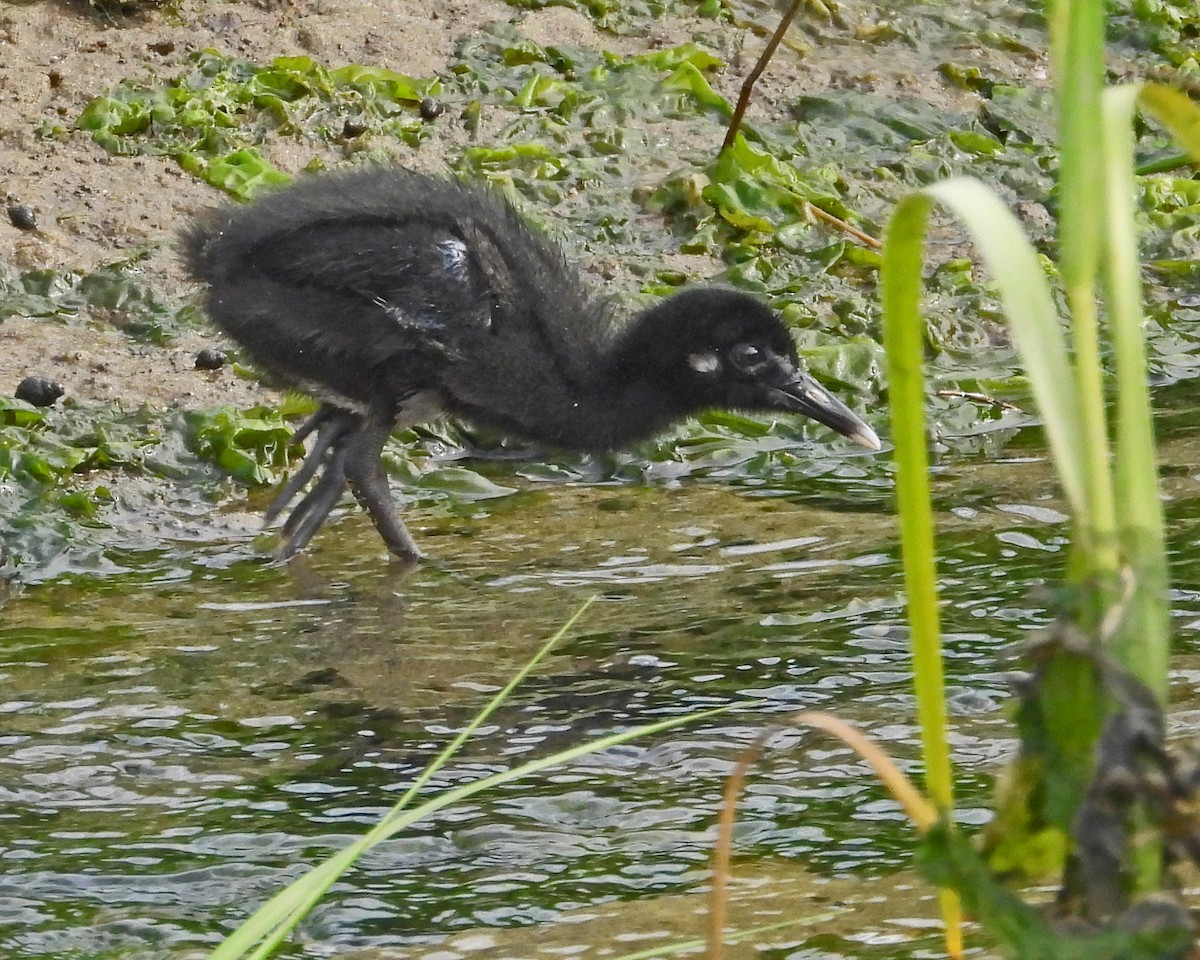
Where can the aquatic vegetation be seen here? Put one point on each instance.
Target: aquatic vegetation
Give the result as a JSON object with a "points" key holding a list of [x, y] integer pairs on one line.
{"points": [[114, 294], [570, 134], [1094, 798], [59, 470], [213, 118], [244, 443]]}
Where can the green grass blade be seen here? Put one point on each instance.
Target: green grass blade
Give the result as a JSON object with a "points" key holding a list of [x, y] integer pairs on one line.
{"points": [[1033, 319], [276, 918], [903, 336], [1175, 111], [1077, 28], [904, 341], [302, 895], [542, 763], [1037, 331], [1142, 644], [261, 933], [501, 696], [1078, 67], [1141, 640]]}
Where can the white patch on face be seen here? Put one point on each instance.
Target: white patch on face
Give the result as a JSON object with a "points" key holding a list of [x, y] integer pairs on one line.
{"points": [[704, 362], [454, 258]]}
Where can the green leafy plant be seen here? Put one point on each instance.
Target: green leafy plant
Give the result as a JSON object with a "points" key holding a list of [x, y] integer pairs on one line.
{"points": [[1099, 682], [40, 448], [213, 117], [249, 444], [114, 293]]}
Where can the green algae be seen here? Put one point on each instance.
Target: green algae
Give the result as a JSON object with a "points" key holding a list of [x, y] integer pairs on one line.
{"points": [[214, 117], [114, 294]]}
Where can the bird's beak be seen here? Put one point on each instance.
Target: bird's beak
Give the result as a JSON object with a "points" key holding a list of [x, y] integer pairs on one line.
{"points": [[806, 396]]}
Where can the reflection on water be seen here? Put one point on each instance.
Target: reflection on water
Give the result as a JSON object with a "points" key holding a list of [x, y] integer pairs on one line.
{"points": [[179, 740]]}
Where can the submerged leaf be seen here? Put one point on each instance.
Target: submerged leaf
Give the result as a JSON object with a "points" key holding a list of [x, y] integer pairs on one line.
{"points": [[463, 484]]}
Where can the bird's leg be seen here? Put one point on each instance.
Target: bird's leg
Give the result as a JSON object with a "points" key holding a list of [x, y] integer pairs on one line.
{"points": [[311, 512], [332, 424], [369, 485]]}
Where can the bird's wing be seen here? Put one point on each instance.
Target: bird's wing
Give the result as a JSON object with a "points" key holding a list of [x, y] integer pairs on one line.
{"points": [[529, 292], [419, 277], [487, 272]]}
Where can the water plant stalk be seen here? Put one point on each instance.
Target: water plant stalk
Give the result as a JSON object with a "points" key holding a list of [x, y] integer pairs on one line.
{"points": [[1116, 620]]}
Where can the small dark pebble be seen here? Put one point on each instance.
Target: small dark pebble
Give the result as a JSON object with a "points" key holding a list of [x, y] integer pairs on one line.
{"points": [[431, 109], [22, 217], [353, 128], [40, 391], [210, 358]]}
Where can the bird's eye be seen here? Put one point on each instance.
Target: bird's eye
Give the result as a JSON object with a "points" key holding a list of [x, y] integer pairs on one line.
{"points": [[748, 358]]}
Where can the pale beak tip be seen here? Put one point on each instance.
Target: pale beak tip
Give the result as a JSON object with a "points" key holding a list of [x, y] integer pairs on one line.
{"points": [[864, 436]]}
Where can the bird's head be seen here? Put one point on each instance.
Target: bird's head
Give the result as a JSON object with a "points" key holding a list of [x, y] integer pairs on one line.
{"points": [[715, 347]]}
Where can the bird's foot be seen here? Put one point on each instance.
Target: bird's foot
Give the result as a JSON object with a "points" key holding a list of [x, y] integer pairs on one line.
{"points": [[346, 452], [325, 461]]}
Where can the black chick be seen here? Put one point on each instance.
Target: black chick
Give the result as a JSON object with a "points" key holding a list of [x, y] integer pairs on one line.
{"points": [[397, 297]]}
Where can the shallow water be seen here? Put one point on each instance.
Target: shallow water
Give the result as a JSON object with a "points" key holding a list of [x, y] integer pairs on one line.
{"points": [[179, 739], [184, 727]]}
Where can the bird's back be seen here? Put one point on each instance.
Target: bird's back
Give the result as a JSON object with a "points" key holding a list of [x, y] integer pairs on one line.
{"points": [[369, 287]]}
